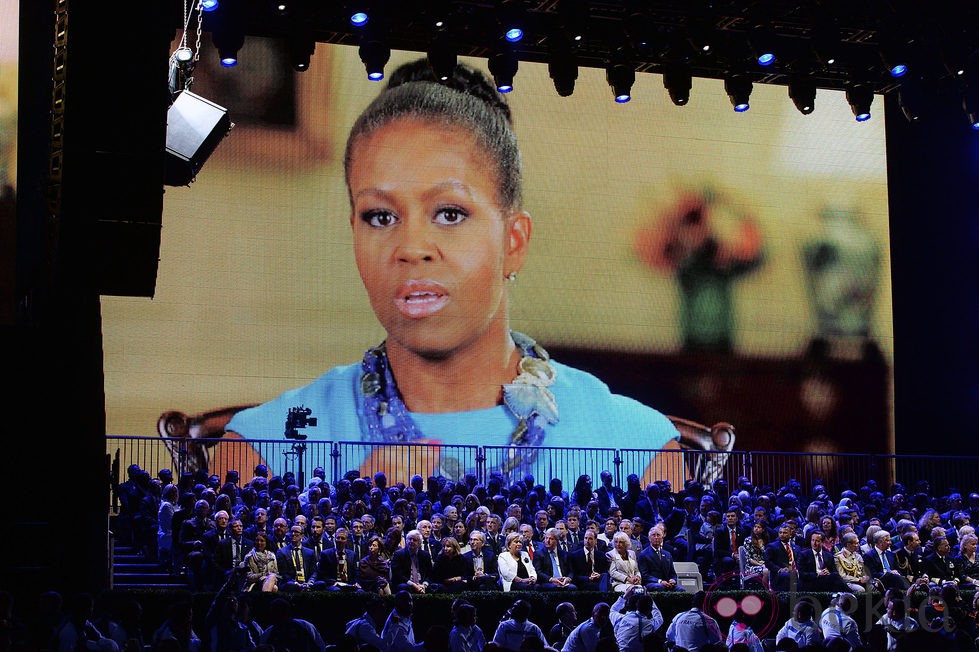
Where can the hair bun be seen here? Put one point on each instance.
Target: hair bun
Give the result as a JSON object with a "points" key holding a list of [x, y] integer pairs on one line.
{"points": [[464, 79]]}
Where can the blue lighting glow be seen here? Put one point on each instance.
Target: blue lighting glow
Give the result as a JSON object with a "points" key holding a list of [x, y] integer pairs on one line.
{"points": [[622, 99], [209, 5], [358, 19], [766, 59], [863, 117], [899, 70], [229, 62], [975, 125], [375, 76], [505, 88], [514, 34], [742, 107]]}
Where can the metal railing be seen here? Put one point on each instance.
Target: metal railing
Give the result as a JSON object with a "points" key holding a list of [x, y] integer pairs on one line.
{"points": [[835, 471]]}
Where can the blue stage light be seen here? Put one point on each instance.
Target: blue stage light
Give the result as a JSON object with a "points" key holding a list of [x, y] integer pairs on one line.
{"points": [[514, 34], [358, 19], [209, 5]]}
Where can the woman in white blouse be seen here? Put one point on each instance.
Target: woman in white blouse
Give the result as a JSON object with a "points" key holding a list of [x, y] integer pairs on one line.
{"points": [[516, 570], [623, 567]]}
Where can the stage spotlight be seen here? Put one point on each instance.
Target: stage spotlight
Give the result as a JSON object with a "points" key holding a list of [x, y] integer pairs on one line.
{"points": [[438, 13], [826, 43], [970, 105], [910, 98], [762, 42], [573, 15], [442, 57], [678, 81], [228, 41], [860, 98], [700, 34], [563, 68], [894, 58], [209, 5], [359, 12], [503, 67], [802, 90], [375, 55], [511, 20], [301, 49], [738, 89], [621, 78]]}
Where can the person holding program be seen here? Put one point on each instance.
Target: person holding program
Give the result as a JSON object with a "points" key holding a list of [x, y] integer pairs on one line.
{"points": [[434, 177]]}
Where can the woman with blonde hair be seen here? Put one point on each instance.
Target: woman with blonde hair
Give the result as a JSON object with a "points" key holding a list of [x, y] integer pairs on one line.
{"points": [[517, 572], [623, 565]]}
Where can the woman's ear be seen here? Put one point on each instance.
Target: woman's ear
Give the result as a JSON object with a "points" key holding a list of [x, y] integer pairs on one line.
{"points": [[519, 227]]}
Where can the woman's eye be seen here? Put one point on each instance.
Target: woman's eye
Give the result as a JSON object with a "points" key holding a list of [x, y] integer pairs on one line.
{"points": [[378, 218], [450, 215]]}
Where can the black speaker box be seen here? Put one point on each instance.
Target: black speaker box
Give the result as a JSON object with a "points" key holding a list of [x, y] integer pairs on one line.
{"points": [[195, 126]]}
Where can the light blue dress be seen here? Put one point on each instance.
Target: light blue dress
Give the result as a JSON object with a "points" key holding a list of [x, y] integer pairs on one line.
{"points": [[590, 416]]}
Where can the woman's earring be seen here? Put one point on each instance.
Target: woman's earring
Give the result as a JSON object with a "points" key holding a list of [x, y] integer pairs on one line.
{"points": [[512, 276]]}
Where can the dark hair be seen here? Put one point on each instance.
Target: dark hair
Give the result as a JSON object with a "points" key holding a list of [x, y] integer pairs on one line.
{"points": [[466, 100]]}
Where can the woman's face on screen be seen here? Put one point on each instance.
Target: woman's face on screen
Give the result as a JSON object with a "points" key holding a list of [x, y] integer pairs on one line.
{"points": [[432, 243]]}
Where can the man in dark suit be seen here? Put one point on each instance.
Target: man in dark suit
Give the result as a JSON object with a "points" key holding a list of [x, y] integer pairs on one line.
{"points": [[780, 559], [430, 543], [480, 563], [909, 557], [337, 567], [551, 564], [647, 507], [938, 565], [315, 541], [881, 564], [230, 553], [281, 537], [589, 565], [727, 540], [656, 563], [608, 494], [297, 565], [411, 567], [573, 537], [817, 567], [495, 540]]}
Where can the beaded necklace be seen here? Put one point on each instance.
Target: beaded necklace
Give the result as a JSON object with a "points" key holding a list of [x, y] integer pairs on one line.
{"points": [[527, 398]]}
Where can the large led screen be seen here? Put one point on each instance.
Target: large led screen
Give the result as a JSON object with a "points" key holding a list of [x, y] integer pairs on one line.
{"points": [[718, 266]]}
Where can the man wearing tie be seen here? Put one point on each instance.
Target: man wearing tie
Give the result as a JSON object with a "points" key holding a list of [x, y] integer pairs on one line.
{"points": [[551, 564], [337, 567], [231, 551], [880, 563], [727, 539], [780, 559], [481, 563], [315, 540], [656, 563], [573, 520], [589, 565], [297, 565], [817, 567], [411, 567], [429, 544]]}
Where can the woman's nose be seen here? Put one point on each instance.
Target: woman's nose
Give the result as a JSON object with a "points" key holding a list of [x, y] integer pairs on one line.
{"points": [[416, 242]]}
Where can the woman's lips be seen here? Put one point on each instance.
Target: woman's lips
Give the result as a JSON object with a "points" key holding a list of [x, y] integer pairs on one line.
{"points": [[417, 299]]}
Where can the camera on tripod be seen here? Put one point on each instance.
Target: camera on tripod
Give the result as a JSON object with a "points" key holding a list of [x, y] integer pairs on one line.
{"points": [[297, 418]]}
